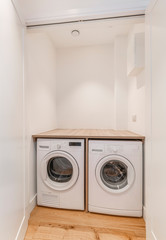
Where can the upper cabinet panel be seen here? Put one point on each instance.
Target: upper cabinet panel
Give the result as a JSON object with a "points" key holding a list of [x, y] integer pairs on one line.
{"points": [[54, 11], [136, 50]]}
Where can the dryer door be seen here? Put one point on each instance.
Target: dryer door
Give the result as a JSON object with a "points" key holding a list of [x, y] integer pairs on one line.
{"points": [[59, 170], [115, 173]]}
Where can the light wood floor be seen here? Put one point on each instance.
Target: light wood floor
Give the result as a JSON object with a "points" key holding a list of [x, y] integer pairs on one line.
{"points": [[53, 224]]}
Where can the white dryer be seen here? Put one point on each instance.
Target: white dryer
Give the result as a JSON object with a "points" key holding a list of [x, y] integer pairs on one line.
{"points": [[60, 173], [115, 177]]}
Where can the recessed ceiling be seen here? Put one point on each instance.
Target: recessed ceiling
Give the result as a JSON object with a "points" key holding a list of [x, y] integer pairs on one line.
{"points": [[91, 33], [50, 11]]}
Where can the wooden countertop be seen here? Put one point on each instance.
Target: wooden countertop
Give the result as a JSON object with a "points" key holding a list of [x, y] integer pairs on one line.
{"points": [[89, 133]]}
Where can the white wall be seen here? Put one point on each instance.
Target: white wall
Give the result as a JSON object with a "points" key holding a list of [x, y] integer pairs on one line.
{"points": [[156, 152], [136, 95], [85, 87], [120, 83], [136, 103], [40, 100], [84, 97], [11, 124]]}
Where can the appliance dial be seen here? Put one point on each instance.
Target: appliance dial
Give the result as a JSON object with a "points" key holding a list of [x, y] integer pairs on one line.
{"points": [[58, 146], [115, 149]]}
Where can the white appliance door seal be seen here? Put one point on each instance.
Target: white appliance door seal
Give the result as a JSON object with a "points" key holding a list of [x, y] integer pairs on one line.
{"points": [[115, 174], [59, 170]]}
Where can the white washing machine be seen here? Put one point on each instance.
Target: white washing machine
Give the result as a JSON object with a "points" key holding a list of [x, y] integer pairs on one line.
{"points": [[115, 177], [60, 173]]}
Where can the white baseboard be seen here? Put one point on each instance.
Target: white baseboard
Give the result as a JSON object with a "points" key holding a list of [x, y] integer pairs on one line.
{"points": [[153, 237], [22, 229], [24, 224], [144, 213], [31, 205]]}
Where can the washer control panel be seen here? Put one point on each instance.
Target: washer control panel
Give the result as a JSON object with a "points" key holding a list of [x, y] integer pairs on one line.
{"points": [[67, 144], [114, 147], [110, 149]]}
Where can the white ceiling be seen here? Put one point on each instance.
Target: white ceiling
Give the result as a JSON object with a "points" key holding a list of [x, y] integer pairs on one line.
{"points": [[91, 33], [50, 11]]}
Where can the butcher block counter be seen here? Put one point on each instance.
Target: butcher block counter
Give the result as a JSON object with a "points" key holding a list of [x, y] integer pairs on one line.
{"points": [[90, 133]]}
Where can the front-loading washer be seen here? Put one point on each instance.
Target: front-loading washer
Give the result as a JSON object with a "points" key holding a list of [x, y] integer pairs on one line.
{"points": [[60, 173], [115, 177]]}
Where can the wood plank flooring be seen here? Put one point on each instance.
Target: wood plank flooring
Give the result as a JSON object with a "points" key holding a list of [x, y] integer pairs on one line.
{"points": [[56, 224]]}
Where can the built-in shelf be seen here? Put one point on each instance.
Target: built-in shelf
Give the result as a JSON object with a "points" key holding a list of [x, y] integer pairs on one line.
{"points": [[89, 133]]}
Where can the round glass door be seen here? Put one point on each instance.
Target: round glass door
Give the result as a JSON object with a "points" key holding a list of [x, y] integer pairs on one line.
{"points": [[59, 170], [115, 173]]}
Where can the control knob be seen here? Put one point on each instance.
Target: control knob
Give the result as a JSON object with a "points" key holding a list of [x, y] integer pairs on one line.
{"points": [[58, 146], [114, 149]]}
